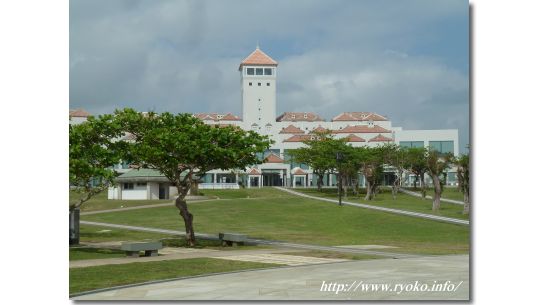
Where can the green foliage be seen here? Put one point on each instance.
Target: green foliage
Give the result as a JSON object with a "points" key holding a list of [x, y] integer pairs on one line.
{"points": [[320, 154], [92, 153], [181, 145]]}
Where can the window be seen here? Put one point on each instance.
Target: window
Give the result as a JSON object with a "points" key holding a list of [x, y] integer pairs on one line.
{"points": [[268, 71], [305, 116], [259, 71], [442, 147], [141, 184], [128, 186], [250, 71], [259, 84], [412, 144], [293, 116], [268, 84], [250, 83]]}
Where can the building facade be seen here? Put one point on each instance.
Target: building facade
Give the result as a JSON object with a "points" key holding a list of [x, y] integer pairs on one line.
{"points": [[258, 74]]}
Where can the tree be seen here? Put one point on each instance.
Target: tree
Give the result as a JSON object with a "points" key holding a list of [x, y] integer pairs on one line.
{"points": [[416, 163], [93, 151], [436, 165], [462, 164], [396, 157], [319, 154], [371, 159], [183, 148]]}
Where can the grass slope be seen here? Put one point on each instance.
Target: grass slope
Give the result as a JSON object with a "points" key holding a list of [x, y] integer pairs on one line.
{"points": [[100, 202], [90, 278], [402, 202], [304, 220]]}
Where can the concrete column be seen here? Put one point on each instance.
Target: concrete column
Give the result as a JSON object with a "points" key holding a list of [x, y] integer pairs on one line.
{"points": [[260, 180], [293, 181], [215, 178], [248, 181], [148, 191], [330, 180], [237, 178], [120, 190]]}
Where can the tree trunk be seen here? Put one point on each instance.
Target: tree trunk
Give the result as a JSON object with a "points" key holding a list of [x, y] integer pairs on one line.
{"points": [[423, 186], [74, 226], [368, 190], [395, 187], [466, 203], [415, 183], [181, 204], [344, 185], [437, 193], [320, 181]]}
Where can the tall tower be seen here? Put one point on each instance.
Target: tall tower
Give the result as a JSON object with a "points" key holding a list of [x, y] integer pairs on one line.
{"points": [[258, 91]]}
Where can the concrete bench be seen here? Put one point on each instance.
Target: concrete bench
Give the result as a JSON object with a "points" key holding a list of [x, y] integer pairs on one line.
{"points": [[149, 248], [232, 239]]}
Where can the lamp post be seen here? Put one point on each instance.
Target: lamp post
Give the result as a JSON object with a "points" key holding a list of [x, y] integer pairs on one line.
{"points": [[339, 159]]}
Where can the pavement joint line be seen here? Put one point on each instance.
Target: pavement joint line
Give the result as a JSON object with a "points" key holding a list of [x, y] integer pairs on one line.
{"points": [[383, 209], [256, 241]]}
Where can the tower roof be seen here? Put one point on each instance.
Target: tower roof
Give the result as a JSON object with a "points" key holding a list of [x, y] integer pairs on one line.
{"points": [[259, 58]]}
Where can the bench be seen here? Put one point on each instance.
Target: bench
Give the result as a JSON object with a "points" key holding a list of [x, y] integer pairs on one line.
{"points": [[232, 239], [149, 248]]}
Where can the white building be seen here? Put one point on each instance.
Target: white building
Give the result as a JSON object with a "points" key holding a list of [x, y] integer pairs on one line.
{"points": [[258, 73]]}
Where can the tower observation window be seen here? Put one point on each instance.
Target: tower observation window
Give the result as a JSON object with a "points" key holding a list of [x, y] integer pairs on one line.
{"points": [[250, 71], [259, 71], [268, 71]]}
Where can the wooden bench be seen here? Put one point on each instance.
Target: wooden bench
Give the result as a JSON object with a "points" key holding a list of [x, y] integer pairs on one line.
{"points": [[232, 239], [149, 248]]}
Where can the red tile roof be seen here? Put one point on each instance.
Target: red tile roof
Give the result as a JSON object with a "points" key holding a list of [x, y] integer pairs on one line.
{"points": [[254, 171], [217, 117], [298, 171], [354, 138], [78, 113], [319, 129], [258, 58], [380, 138], [291, 129], [362, 129], [299, 117], [359, 116], [300, 138], [272, 158]]}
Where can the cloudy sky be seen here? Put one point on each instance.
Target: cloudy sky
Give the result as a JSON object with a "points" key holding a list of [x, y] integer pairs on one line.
{"points": [[404, 59]]}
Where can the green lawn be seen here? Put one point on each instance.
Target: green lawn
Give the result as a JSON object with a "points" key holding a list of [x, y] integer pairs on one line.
{"points": [[95, 234], [100, 202], [402, 202], [303, 220], [265, 192], [448, 192], [81, 253], [90, 278]]}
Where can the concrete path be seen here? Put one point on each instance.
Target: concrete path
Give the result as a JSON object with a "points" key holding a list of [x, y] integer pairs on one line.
{"points": [[254, 241], [430, 197], [337, 281], [255, 255], [378, 208]]}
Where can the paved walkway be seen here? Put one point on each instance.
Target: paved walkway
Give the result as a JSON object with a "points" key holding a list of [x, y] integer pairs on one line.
{"points": [[273, 256], [378, 208], [305, 282], [254, 241], [430, 197]]}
